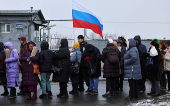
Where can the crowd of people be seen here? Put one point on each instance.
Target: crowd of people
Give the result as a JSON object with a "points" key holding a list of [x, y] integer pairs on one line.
{"points": [[123, 58]]}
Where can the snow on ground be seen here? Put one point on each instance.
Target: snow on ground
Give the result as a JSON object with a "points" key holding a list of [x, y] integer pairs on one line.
{"points": [[163, 100]]}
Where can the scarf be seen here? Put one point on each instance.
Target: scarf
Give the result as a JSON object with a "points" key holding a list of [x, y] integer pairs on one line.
{"points": [[120, 48], [34, 52]]}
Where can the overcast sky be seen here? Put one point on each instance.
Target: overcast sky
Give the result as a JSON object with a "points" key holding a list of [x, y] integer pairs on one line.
{"points": [[109, 10]]}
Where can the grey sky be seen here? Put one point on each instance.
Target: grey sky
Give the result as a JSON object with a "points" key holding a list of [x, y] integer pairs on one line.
{"points": [[109, 11]]}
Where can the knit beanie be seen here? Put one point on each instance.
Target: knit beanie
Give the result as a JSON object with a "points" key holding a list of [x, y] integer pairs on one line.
{"points": [[76, 45], [110, 41], [155, 43]]}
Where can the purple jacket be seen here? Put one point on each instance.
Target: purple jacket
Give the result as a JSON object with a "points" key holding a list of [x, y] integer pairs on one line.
{"points": [[12, 67], [28, 77]]}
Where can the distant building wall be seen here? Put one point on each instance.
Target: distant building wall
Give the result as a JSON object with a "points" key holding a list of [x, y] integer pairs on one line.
{"points": [[27, 30]]}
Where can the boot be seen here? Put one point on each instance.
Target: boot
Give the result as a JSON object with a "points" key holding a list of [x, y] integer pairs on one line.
{"points": [[107, 94], [29, 96], [6, 93], [59, 93], [43, 96], [34, 97], [74, 91], [50, 93], [12, 94]]}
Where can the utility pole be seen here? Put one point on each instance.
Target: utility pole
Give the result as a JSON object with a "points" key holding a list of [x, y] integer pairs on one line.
{"points": [[85, 34]]}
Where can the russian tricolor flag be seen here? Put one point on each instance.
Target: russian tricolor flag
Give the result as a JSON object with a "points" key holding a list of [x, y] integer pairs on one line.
{"points": [[84, 18]]}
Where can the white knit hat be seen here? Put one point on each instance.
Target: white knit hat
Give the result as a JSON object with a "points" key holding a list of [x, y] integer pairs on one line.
{"points": [[110, 40]]}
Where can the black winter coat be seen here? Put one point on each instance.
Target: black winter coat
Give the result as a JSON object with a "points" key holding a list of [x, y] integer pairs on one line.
{"points": [[46, 58], [3, 56], [84, 64], [94, 53], [155, 72], [62, 57]]}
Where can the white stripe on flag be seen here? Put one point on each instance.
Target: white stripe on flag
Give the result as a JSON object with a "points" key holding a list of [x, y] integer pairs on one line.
{"points": [[81, 8]]}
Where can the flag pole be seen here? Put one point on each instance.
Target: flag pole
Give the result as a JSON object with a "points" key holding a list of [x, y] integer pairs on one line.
{"points": [[74, 35]]}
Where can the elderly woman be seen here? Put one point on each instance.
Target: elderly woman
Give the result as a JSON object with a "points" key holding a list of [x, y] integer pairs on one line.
{"points": [[30, 80], [132, 68], [12, 69]]}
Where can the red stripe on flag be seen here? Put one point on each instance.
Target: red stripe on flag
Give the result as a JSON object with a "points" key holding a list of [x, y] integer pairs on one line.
{"points": [[84, 24]]}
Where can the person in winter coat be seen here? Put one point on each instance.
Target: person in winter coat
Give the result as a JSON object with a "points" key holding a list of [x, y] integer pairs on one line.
{"points": [[132, 68], [30, 80], [23, 47], [163, 78], [166, 58], [154, 74], [143, 50], [110, 71], [83, 72], [75, 57], [12, 69], [45, 65], [122, 50], [94, 61], [62, 60], [3, 70]]}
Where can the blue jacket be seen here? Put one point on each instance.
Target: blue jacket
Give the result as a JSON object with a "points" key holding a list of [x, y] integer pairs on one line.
{"points": [[76, 56], [141, 46], [132, 67]]}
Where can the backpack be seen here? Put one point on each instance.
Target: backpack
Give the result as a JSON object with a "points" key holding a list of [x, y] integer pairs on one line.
{"points": [[74, 67], [112, 56]]}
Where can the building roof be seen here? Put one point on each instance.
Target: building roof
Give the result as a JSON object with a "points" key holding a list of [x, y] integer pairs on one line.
{"points": [[23, 12]]}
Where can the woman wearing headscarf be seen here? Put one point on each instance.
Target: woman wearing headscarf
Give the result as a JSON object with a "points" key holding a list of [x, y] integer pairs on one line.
{"points": [[30, 80]]}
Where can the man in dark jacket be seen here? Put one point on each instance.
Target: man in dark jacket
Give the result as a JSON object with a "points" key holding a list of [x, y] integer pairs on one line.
{"points": [[95, 61], [3, 72], [23, 47], [110, 71], [83, 74], [143, 50], [62, 60], [122, 50], [45, 64]]}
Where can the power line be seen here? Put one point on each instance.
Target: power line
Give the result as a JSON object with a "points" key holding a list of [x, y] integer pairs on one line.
{"points": [[140, 22]]}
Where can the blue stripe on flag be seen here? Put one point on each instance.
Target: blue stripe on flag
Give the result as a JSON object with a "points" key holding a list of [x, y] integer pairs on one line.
{"points": [[86, 17]]}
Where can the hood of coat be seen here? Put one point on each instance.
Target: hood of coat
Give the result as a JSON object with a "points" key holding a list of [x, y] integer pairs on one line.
{"points": [[137, 37], [1, 46], [44, 45], [10, 45], [89, 48], [64, 43], [119, 41], [132, 43]]}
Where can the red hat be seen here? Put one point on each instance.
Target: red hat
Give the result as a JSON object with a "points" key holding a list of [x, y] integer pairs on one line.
{"points": [[23, 39]]}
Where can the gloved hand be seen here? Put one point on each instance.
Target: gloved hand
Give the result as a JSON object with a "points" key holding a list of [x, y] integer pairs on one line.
{"points": [[29, 59]]}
